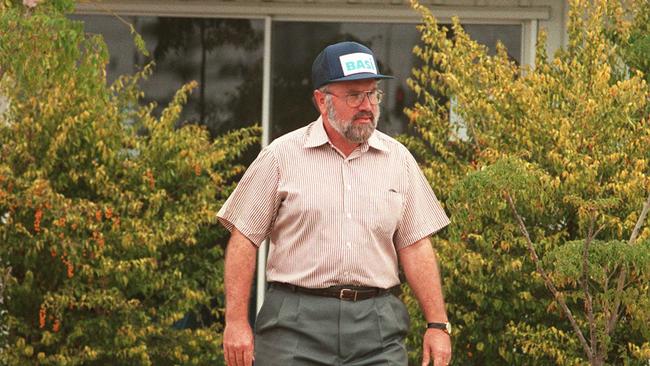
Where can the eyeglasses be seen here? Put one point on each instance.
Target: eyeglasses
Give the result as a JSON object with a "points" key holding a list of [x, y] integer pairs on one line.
{"points": [[355, 99]]}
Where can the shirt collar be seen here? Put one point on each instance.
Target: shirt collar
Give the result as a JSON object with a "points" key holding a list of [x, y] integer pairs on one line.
{"points": [[377, 143], [316, 136]]}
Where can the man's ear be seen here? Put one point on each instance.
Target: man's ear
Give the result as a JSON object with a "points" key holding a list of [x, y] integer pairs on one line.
{"points": [[318, 99]]}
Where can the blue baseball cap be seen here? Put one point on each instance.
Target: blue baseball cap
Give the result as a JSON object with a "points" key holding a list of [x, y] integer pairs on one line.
{"points": [[342, 62]]}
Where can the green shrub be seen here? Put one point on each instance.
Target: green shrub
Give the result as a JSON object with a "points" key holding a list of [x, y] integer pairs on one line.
{"points": [[108, 211], [4, 329], [566, 141]]}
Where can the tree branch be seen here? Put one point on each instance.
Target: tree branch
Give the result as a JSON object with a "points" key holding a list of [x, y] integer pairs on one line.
{"points": [[640, 221], [547, 280], [620, 285], [585, 287], [600, 228]]}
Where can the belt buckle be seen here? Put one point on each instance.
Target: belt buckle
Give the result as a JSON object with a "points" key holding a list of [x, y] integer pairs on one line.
{"points": [[342, 294]]}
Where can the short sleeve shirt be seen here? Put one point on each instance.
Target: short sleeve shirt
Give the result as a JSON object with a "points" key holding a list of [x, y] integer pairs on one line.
{"points": [[333, 220]]}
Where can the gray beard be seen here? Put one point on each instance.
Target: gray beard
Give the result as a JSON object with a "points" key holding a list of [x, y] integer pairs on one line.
{"points": [[354, 133]]}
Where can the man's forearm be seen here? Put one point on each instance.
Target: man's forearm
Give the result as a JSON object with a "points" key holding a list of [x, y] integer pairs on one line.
{"points": [[423, 276], [238, 276]]}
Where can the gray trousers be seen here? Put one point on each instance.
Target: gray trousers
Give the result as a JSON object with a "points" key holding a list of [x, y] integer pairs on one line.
{"points": [[296, 329]]}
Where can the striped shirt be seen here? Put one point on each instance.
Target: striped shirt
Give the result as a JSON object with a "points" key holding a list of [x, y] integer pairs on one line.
{"points": [[333, 220]]}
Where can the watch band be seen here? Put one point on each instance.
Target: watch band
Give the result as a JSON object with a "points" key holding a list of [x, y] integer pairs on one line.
{"points": [[445, 327]]}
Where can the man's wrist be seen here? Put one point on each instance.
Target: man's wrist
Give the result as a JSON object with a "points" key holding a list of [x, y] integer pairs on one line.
{"points": [[444, 326], [236, 317]]}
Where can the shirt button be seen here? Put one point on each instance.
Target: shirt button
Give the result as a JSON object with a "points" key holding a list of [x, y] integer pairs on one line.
{"points": [[348, 244], [349, 187], [349, 215]]}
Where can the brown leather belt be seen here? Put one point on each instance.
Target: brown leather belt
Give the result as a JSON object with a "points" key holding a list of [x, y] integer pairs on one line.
{"points": [[346, 293]]}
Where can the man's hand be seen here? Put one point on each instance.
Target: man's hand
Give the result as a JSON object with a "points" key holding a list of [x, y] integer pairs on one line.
{"points": [[238, 344], [437, 347]]}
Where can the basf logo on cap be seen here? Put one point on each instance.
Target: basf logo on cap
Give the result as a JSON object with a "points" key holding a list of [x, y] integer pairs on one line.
{"points": [[355, 63]]}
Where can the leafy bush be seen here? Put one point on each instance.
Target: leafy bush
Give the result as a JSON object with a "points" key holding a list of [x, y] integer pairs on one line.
{"points": [[4, 329], [108, 211], [546, 259]]}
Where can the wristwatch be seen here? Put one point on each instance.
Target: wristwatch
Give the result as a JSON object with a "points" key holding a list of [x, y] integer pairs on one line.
{"points": [[446, 327]]}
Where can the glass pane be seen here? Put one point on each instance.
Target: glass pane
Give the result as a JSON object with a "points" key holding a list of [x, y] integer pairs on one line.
{"points": [[296, 44], [224, 56], [490, 34]]}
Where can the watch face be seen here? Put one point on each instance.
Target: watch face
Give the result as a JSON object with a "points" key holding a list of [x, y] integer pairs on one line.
{"points": [[448, 328]]}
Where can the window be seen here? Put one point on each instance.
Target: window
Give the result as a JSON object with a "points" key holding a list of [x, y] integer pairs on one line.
{"points": [[223, 55]]}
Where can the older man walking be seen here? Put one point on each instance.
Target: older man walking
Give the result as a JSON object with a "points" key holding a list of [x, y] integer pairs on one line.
{"points": [[344, 206]]}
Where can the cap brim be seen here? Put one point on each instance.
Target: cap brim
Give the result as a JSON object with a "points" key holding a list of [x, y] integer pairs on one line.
{"points": [[360, 76]]}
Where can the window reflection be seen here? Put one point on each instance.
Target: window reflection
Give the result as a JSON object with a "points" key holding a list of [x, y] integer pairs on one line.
{"points": [[223, 55]]}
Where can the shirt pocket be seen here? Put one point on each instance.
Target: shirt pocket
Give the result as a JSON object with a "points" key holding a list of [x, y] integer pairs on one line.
{"points": [[387, 210]]}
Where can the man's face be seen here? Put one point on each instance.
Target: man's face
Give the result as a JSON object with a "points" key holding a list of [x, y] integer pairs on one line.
{"points": [[355, 124]]}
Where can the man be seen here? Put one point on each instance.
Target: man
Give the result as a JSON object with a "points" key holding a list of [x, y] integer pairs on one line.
{"points": [[343, 205]]}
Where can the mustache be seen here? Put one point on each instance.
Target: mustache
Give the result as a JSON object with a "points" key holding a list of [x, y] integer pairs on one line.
{"points": [[364, 114]]}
